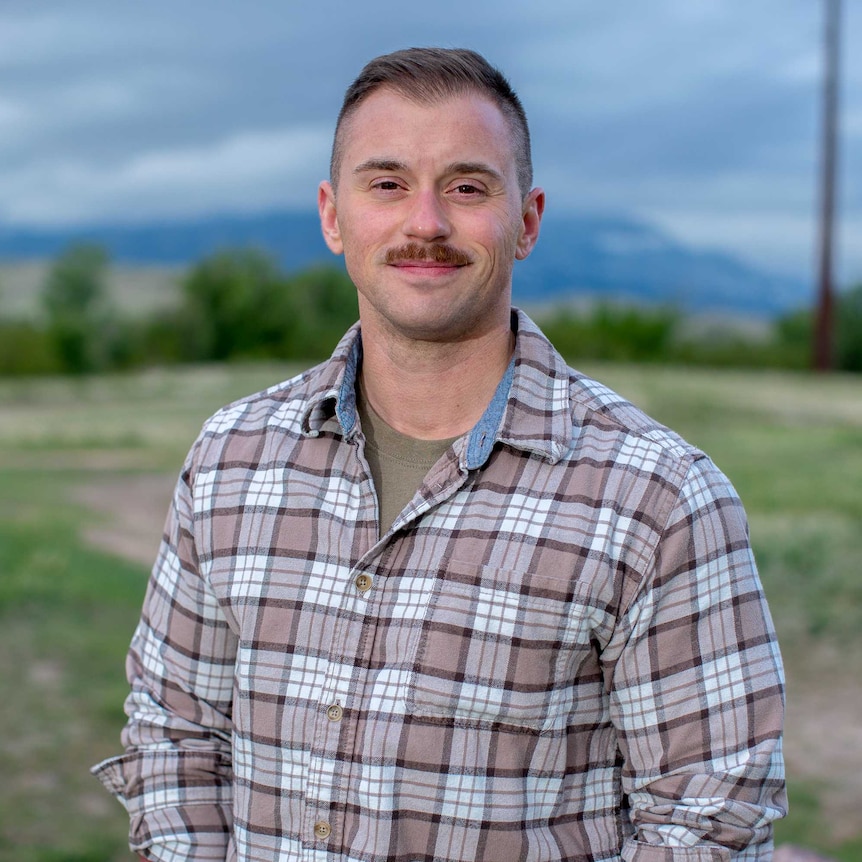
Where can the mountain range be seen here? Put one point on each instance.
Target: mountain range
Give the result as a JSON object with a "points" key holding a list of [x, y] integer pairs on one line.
{"points": [[579, 257]]}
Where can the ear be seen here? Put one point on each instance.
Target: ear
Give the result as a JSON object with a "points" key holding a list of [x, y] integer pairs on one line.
{"points": [[534, 206], [329, 218]]}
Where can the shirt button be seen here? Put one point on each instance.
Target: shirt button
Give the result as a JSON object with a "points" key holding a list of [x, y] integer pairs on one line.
{"points": [[322, 830], [335, 712], [363, 583]]}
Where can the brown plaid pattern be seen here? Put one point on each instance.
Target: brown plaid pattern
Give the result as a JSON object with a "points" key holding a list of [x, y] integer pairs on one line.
{"points": [[560, 651]]}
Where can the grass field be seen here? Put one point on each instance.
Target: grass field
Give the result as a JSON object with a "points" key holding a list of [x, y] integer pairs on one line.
{"points": [[85, 471]]}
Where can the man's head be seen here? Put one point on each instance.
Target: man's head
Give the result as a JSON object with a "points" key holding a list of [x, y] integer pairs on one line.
{"points": [[428, 75], [430, 200]]}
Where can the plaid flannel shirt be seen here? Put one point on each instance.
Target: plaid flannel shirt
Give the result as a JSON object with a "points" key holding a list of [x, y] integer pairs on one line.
{"points": [[559, 651]]}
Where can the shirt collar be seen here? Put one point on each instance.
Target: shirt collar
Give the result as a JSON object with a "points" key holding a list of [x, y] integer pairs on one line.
{"points": [[332, 391], [530, 409], [538, 410]]}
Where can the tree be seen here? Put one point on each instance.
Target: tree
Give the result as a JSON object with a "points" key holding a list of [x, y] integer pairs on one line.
{"points": [[239, 305], [613, 332], [324, 299], [848, 329], [232, 304], [795, 330], [75, 302]]}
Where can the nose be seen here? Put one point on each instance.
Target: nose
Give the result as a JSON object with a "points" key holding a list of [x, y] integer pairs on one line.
{"points": [[426, 217]]}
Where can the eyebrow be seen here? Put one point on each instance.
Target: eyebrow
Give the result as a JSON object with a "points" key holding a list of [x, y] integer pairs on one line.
{"points": [[394, 166], [474, 168], [389, 165]]}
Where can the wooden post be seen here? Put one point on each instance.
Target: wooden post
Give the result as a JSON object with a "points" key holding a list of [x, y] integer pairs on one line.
{"points": [[824, 350]]}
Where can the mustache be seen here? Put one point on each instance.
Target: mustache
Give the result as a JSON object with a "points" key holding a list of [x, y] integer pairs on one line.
{"points": [[434, 253]]}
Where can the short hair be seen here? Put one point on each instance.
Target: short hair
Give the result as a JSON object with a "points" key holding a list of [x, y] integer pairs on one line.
{"points": [[429, 75]]}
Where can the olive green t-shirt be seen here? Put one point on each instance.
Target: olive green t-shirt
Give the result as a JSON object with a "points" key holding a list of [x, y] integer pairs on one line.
{"points": [[398, 463]]}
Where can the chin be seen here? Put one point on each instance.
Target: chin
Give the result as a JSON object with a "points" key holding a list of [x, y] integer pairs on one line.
{"points": [[450, 328]]}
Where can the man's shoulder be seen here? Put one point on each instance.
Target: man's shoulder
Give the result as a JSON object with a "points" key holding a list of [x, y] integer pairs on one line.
{"points": [[598, 408], [258, 406], [634, 460], [286, 405], [280, 410], [577, 415]]}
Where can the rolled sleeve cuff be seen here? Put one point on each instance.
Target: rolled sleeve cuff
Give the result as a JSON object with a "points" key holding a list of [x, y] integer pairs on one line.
{"points": [[637, 851], [179, 802]]}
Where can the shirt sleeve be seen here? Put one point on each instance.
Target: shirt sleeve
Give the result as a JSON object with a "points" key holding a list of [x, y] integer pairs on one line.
{"points": [[697, 690], [175, 779]]}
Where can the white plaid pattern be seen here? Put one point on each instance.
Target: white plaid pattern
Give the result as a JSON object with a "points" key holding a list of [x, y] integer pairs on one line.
{"points": [[561, 654]]}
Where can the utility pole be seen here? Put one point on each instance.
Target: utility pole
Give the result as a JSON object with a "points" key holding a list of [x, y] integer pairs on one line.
{"points": [[824, 325]]}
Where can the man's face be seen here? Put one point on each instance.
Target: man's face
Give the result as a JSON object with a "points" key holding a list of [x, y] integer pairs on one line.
{"points": [[429, 216]]}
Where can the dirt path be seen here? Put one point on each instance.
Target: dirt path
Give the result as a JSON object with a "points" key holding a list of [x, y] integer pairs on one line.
{"points": [[132, 510], [823, 742]]}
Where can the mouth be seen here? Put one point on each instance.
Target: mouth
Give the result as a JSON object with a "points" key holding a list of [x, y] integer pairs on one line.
{"points": [[426, 272]]}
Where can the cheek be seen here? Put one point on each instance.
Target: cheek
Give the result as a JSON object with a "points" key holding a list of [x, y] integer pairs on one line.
{"points": [[355, 248], [500, 246], [498, 236], [367, 236]]}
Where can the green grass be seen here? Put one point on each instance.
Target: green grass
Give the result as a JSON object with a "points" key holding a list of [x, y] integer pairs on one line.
{"points": [[807, 825], [66, 617], [792, 445]]}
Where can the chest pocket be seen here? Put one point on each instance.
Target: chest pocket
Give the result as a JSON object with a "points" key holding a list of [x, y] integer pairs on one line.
{"points": [[501, 648]]}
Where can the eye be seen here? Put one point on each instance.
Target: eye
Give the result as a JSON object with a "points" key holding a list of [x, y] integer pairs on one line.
{"points": [[468, 189], [386, 186]]}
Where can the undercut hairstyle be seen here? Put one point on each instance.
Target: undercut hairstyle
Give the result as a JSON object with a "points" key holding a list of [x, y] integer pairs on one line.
{"points": [[429, 75]]}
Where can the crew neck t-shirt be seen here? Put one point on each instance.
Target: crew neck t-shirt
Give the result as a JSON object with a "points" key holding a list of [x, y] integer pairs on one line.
{"points": [[398, 462]]}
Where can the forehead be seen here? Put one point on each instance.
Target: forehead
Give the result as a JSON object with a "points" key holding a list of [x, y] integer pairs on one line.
{"points": [[459, 127]]}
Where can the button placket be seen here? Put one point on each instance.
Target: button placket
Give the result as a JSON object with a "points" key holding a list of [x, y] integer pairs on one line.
{"points": [[332, 733]]}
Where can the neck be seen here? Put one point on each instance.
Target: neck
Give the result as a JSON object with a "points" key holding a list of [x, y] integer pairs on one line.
{"points": [[434, 391]]}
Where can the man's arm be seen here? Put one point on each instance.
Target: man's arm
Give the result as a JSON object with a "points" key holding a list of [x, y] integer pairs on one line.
{"points": [[697, 690], [175, 778]]}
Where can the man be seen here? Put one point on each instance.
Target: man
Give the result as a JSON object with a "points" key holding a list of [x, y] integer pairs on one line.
{"points": [[442, 597]]}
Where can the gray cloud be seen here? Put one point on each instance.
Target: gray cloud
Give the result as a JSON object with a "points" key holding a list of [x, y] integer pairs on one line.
{"points": [[703, 117]]}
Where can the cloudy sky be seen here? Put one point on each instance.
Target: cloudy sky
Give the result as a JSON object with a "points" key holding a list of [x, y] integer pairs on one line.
{"points": [[700, 116]]}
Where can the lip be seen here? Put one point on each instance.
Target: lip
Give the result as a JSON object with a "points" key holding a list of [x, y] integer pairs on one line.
{"points": [[426, 264], [426, 267]]}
